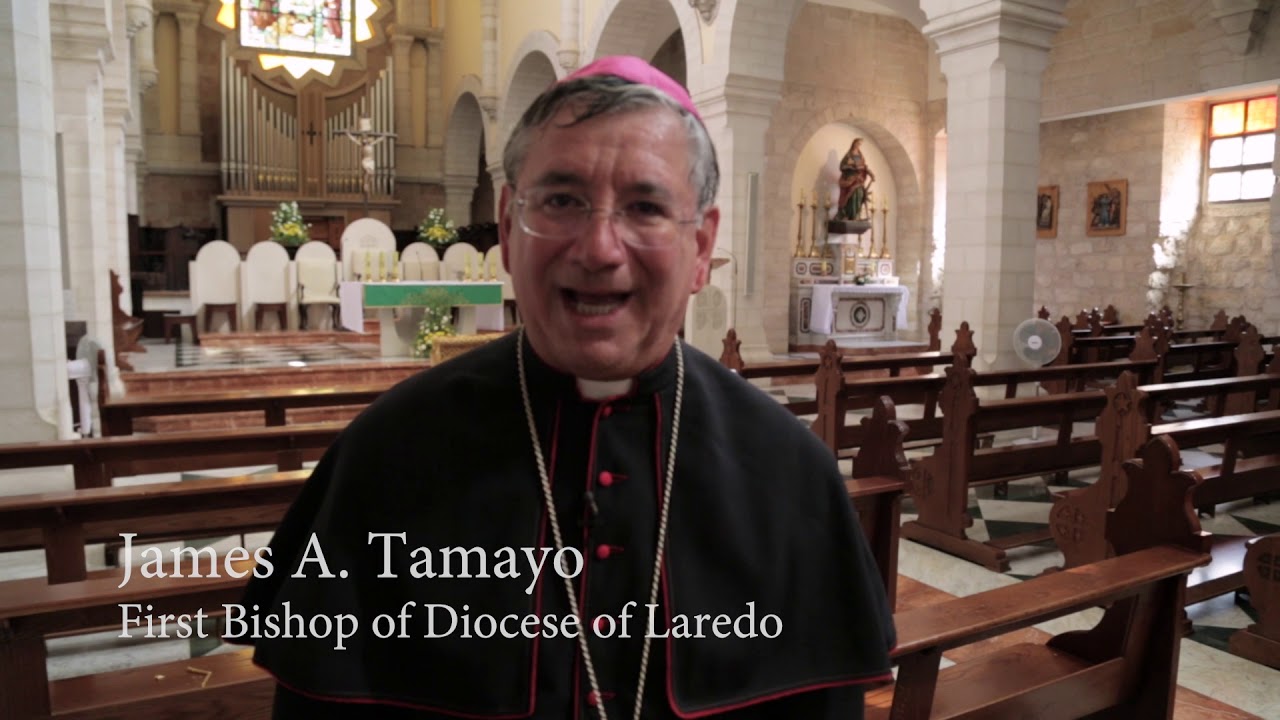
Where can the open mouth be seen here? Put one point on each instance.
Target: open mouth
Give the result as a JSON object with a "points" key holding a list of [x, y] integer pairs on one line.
{"points": [[585, 303]]}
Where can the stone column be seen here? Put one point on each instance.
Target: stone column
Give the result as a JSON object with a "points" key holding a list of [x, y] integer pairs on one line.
{"points": [[435, 90], [81, 41], [993, 55], [458, 190], [569, 54], [33, 369], [404, 90], [489, 57], [188, 78], [737, 116], [140, 21], [117, 112]]}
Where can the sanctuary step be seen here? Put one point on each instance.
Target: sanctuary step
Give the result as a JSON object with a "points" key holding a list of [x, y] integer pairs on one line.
{"points": [[294, 337]]}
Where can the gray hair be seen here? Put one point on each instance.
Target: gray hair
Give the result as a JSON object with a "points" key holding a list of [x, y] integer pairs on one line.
{"points": [[604, 94]]}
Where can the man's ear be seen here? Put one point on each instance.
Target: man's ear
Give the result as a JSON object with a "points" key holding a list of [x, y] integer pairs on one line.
{"points": [[504, 224], [705, 243]]}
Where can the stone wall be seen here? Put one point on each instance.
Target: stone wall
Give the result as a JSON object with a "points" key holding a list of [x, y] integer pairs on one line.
{"points": [[172, 200], [416, 199], [1075, 270], [1124, 52], [1230, 261], [867, 70]]}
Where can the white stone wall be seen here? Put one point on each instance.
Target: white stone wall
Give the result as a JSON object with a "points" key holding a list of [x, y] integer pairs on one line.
{"points": [[870, 71], [1124, 52], [1230, 262], [1074, 270]]}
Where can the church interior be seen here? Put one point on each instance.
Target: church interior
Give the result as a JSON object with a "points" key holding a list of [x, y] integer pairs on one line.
{"points": [[235, 223]]}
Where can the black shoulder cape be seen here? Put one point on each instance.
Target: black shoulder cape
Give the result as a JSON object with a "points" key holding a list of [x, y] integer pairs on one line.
{"points": [[758, 514]]}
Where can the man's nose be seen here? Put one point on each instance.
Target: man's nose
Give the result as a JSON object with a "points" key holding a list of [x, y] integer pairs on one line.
{"points": [[602, 243]]}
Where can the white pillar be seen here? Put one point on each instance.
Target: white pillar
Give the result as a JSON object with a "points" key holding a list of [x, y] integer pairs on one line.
{"points": [[188, 80], [34, 401], [458, 191], [569, 54], [81, 39], [993, 55], [404, 89], [737, 116], [144, 75], [435, 90], [117, 112], [489, 57]]}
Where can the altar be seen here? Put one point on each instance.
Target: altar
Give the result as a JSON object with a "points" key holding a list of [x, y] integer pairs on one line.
{"points": [[829, 311], [479, 307]]}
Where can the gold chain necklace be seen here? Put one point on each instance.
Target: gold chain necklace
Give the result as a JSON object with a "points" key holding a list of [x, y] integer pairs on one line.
{"points": [[549, 501]]}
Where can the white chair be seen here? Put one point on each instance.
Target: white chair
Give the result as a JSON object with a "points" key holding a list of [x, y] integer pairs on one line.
{"points": [[366, 236], [317, 270], [420, 261], [493, 260], [266, 282], [456, 259], [215, 284]]}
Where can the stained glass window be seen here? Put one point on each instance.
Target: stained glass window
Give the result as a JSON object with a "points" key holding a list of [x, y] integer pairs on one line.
{"points": [[302, 27], [1242, 141]]}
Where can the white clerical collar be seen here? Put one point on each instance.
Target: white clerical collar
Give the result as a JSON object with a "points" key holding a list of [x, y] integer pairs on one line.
{"points": [[601, 389]]}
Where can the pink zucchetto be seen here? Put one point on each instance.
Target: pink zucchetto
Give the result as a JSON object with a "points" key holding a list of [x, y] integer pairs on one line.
{"points": [[637, 71]]}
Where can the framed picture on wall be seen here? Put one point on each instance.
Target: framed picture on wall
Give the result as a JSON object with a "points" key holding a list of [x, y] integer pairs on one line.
{"points": [[1107, 207], [1047, 211]]}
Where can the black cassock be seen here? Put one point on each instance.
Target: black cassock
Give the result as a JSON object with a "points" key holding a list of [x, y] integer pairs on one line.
{"points": [[760, 530]]}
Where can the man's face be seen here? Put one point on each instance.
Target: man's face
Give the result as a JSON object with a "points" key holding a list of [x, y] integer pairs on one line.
{"points": [[594, 305]]}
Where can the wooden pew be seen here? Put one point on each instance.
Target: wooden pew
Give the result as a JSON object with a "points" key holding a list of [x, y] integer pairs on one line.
{"points": [[939, 483], [875, 487], [837, 396], [1126, 665], [118, 414], [31, 610], [63, 523], [96, 461], [1235, 478], [1260, 642], [1127, 423]]}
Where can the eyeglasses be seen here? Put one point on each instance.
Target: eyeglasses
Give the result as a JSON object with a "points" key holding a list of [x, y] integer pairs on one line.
{"points": [[561, 215]]}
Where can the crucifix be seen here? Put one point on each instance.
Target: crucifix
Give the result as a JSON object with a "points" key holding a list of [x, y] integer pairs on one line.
{"points": [[366, 137]]}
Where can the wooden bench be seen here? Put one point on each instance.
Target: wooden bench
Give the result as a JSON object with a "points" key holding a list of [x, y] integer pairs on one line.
{"points": [[1159, 470], [939, 483], [96, 461], [31, 610], [838, 396], [1126, 664], [1128, 421], [1260, 642], [875, 487], [62, 523], [118, 414]]}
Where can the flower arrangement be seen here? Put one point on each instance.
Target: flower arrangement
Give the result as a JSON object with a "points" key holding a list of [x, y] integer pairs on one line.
{"points": [[437, 231], [862, 279], [437, 320], [287, 227]]}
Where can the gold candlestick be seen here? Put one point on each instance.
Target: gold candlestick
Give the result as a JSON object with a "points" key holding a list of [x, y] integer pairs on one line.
{"points": [[884, 231], [395, 266], [799, 251], [1182, 288], [382, 266], [368, 267], [813, 235], [466, 268]]}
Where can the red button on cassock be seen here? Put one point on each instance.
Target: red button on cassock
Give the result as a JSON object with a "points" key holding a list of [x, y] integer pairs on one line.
{"points": [[607, 411], [604, 551], [606, 478]]}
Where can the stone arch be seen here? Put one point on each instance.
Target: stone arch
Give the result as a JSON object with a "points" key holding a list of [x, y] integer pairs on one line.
{"points": [[531, 73], [777, 223], [754, 36], [640, 27], [464, 144]]}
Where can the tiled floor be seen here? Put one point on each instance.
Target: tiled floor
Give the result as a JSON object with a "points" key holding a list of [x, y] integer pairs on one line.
{"points": [[1212, 682]]}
